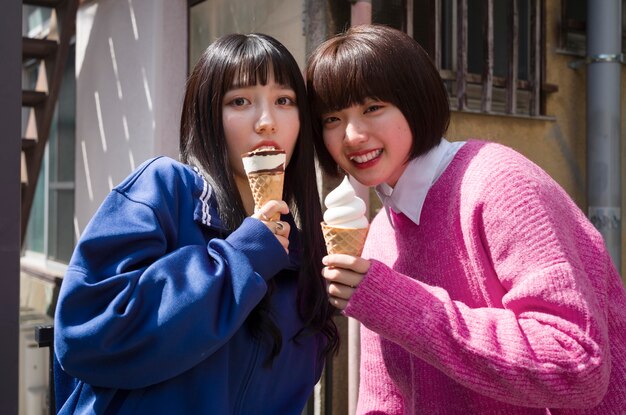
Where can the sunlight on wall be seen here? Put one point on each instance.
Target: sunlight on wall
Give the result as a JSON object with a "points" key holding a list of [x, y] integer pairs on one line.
{"points": [[86, 16], [146, 88], [77, 230], [125, 124], [87, 172], [115, 71], [131, 159], [103, 139], [133, 19], [131, 76]]}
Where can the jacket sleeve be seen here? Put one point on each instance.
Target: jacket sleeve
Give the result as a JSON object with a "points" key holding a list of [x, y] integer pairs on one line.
{"points": [[544, 342], [132, 311], [378, 395]]}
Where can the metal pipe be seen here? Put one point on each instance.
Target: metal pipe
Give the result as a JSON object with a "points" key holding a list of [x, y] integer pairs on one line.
{"points": [[360, 13], [604, 46]]}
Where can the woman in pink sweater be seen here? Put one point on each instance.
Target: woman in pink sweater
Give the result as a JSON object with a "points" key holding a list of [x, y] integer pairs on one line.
{"points": [[482, 288]]}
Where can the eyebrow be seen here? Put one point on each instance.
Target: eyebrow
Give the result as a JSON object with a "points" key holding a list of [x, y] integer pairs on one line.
{"points": [[276, 86]]}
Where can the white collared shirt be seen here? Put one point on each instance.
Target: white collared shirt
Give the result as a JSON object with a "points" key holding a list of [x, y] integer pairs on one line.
{"points": [[419, 175]]}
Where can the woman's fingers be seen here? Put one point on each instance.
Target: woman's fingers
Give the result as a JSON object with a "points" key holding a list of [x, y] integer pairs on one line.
{"points": [[272, 209], [341, 276], [353, 263], [279, 228], [343, 273], [338, 303], [340, 291]]}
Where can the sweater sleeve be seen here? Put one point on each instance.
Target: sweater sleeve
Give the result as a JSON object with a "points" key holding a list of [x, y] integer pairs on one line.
{"points": [[544, 343], [521, 361], [378, 394], [128, 300]]}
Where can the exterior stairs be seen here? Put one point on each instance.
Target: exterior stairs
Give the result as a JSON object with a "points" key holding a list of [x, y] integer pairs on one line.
{"points": [[49, 54]]}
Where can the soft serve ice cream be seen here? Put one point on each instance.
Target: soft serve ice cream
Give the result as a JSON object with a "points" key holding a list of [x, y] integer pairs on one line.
{"points": [[264, 160], [344, 209], [345, 225]]}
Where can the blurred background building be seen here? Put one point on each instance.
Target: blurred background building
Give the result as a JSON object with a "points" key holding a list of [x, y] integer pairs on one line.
{"points": [[101, 91]]}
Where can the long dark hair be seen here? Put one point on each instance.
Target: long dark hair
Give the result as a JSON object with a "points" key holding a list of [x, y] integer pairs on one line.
{"points": [[375, 61], [246, 60]]}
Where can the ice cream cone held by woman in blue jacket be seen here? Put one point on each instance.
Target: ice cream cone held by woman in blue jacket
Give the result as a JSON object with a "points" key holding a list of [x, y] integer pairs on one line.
{"points": [[189, 294]]}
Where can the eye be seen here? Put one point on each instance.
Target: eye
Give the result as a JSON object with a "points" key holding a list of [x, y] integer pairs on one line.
{"points": [[372, 108], [329, 119], [288, 101], [239, 102]]}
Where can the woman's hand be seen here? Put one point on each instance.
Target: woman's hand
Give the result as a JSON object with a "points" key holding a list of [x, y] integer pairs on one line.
{"points": [[343, 273], [279, 228]]}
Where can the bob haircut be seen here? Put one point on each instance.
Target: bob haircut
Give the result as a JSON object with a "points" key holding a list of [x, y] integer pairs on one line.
{"points": [[239, 60], [375, 61]]}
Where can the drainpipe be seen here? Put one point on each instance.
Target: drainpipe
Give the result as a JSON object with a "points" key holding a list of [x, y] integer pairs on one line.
{"points": [[604, 58], [360, 13]]}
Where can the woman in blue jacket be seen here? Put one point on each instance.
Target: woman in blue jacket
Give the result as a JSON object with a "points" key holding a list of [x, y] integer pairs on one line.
{"points": [[179, 298]]}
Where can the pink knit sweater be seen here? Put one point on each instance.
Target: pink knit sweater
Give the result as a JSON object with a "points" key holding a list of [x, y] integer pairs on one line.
{"points": [[502, 301]]}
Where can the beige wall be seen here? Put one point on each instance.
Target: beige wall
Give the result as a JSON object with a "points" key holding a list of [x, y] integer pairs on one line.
{"points": [[281, 19], [556, 142], [130, 78]]}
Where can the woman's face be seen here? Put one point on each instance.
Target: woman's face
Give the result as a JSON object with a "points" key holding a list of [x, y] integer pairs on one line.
{"points": [[370, 141], [257, 116]]}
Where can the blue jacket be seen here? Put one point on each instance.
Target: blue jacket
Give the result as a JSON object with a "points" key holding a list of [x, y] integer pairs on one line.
{"points": [[150, 316]]}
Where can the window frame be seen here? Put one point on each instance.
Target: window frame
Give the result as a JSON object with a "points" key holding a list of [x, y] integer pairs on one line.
{"points": [[487, 92], [573, 33]]}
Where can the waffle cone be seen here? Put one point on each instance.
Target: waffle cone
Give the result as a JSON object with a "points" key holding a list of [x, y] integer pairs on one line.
{"points": [[266, 187], [344, 240]]}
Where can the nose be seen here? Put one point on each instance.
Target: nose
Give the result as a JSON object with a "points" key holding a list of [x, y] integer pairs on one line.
{"points": [[266, 122], [355, 133]]}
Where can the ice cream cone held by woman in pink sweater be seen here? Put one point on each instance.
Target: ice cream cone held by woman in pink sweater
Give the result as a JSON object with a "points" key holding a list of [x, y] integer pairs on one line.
{"points": [[482, 287]]}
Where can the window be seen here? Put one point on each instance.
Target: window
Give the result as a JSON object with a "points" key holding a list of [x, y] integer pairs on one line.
{"points": [[489, 53], [50, 230], [573, 38], [390, 13], [573, 26]]}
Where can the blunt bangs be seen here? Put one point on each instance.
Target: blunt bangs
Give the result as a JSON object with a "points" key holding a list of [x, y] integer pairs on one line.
{"points": [[347, 75], [256, 59]]}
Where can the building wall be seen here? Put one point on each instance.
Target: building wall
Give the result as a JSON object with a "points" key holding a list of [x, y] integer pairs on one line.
{"points": [[282, 19], [558, 141], [131, 61]]}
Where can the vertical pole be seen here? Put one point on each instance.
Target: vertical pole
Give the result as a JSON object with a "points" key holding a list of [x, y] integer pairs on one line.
{"points": [[511, 84], [10, 147], [461, 55], [316, 29], [604, 45], [361, 13], [487, 93]]}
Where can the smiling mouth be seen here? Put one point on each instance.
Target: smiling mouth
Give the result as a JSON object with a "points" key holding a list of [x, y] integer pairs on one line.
{"points": [[364, 158]]}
